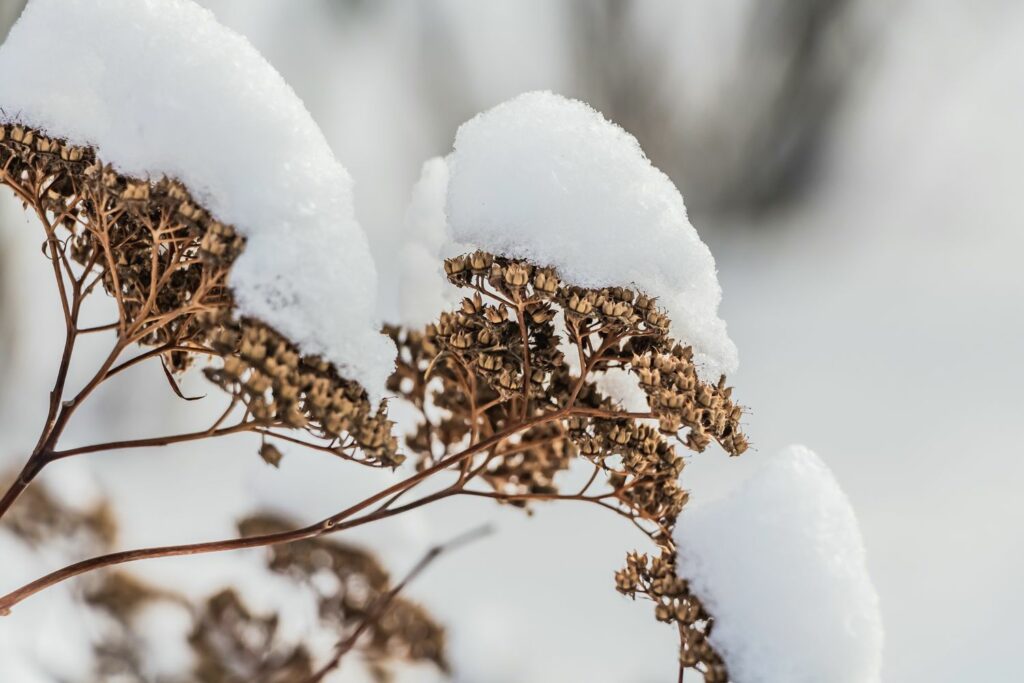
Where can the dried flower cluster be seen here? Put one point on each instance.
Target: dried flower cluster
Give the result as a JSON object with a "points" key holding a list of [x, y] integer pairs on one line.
{"points": [[657, 579], [166, 261], [278, 386], [499, 361]]}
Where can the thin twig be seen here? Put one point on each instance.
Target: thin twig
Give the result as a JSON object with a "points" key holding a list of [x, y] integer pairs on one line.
{"points": [[244, 426]]}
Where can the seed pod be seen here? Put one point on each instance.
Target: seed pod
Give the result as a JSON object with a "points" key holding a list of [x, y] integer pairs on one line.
{"points": [[545, 281], [516, 275], [480, 262], [496, 314], [461, 341], [454, 266], [489, 361], [270, 454]]}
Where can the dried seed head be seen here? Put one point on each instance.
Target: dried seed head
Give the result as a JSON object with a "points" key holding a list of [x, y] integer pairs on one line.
{"points": [[161, 255], [270, 454], [517, 275], [487, 370], [480, 262]]}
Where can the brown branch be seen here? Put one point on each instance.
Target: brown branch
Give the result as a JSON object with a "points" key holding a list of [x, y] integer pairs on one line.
{"points": [[326, 448], [525, 338], [36, 461], [245, 426], [98, 328], [155, 352], [326, 526]]}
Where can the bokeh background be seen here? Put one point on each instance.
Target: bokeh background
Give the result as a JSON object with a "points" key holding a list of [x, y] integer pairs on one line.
{"points": [[855, 166]]}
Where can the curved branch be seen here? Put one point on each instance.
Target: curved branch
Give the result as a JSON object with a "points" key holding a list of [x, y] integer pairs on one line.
{"points": [[329, 525]]}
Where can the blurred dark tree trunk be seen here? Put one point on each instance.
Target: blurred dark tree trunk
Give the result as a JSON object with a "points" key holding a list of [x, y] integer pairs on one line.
{"points": [[9, 11], [756, 149]]}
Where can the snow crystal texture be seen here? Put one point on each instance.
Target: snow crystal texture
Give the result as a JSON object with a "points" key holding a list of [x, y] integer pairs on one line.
{"points": [[780, 564], [551, 180], [159, 88]]}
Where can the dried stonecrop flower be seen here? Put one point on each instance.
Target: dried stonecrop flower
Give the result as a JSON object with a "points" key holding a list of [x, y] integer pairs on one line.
{"points": [[497, 365], [656, 578], [167, 262]]}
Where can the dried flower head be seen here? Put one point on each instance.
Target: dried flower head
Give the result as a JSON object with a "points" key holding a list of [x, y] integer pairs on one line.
{"points": [[497, 365], [167, 262]]}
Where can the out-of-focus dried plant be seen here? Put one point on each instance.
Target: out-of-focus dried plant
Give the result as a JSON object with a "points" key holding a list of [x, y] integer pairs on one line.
{"points": [[507, 389], [404, 631], [497, 365], [359, 606]]}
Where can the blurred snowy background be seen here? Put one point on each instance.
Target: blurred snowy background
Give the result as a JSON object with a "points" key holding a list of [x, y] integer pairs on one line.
{"points": [[854, 165]]}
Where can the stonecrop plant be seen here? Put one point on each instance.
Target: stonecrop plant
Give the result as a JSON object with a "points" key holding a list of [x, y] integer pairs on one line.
{"points": [[558, 267], [514, 411]]}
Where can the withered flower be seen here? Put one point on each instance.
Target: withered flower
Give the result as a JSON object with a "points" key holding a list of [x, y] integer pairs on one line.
{"points": [[167, 263], [496, 365]]}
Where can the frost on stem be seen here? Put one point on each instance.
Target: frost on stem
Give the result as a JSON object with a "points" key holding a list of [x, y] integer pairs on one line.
{"points": [[167, 263], [496, 362]]}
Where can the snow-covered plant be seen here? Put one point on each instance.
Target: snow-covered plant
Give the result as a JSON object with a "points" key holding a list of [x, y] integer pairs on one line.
{"points": [[507, 391], [581, 330]]}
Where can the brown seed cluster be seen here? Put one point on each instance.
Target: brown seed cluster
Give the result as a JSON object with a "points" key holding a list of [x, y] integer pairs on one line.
{"points": [[509, 340], [656, 578], [642, 467], [166, 262], [163, 259], [278, 386], [680, 399], [500, 360]]}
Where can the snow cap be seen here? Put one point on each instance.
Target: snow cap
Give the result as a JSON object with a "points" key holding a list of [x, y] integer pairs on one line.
{"points": [[160, 88], [549, 179], [779, 563]]}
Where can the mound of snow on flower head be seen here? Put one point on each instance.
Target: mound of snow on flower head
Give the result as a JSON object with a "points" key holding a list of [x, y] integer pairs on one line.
{"points": [[551, 180], [780, 564], [159, 88]]}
